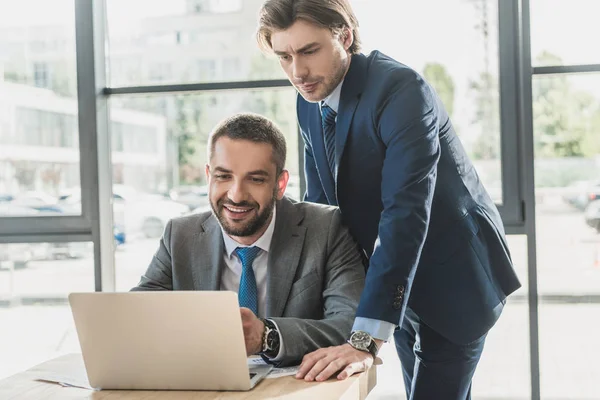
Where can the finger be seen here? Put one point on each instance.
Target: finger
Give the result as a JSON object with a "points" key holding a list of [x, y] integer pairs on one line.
{"points": [[333, 367], [308, 361], [318, 368], [350, 370], [245, 312]]}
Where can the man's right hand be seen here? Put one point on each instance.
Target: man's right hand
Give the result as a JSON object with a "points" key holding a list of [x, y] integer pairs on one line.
{"points": [[254, 330]]}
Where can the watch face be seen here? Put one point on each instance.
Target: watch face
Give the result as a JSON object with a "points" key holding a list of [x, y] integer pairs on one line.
{"points": [[361, 340], [272, 339]]}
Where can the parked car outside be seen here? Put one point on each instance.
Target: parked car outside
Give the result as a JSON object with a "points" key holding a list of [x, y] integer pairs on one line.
{"points": [[579, 193], [592, 215]]}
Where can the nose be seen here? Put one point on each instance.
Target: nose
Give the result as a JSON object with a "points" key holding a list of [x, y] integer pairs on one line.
{"points": [[299, 69], [237, 192]]}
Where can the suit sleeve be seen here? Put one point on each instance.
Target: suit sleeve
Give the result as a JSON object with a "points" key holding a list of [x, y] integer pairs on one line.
{"points": [[159, 275], [343, 283], [407, 123]]}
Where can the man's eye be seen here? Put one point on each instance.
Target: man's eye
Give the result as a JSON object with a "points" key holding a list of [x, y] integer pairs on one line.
{"points": [[309, 52], [284, 58], [221, 176], [258, 180]]}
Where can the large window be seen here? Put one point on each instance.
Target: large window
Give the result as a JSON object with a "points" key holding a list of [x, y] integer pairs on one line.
{"points": [[46, 249]]}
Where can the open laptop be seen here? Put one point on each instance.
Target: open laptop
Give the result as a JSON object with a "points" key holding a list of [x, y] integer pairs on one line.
{"points": [[184, 340]]}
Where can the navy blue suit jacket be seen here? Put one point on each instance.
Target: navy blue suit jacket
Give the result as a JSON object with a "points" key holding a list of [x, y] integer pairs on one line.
{"points": [[413, 201]]}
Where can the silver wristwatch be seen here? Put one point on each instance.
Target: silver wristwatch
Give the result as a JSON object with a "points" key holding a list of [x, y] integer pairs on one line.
{"points": [[362, 341]]}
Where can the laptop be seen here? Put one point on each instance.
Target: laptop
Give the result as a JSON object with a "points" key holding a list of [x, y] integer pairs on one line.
{"points": [[186, 340]]}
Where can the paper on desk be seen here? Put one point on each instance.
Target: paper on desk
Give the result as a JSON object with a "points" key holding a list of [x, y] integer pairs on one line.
{"points": [[63, 380], [275, 372], [279, 372]]}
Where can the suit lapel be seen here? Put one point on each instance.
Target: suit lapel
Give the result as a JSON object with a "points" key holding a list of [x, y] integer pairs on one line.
{"points": [[318, 146], [284, 256], [352, 88], [207, 257]]}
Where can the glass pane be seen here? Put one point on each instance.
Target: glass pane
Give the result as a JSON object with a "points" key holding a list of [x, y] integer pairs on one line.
{"points": [[185, 41], [567, 173], [39, 144], [36, 321], [461, 64], [564, 32], [165, 178]]}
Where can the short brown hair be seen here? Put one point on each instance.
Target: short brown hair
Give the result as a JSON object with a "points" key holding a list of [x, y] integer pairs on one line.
{"points": [[252, 127], [334, 15]]}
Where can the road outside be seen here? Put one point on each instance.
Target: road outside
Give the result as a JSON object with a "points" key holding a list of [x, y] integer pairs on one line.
{"points": [[568, 266]]}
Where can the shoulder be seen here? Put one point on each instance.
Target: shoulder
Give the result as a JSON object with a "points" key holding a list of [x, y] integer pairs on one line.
{"points": [[191, 222], [383, 68], [388, 78], [318, 216], [315, 210]]}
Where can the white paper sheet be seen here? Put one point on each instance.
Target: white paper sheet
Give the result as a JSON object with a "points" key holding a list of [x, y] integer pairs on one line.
{"points": [[64, 380], [275, 372]]}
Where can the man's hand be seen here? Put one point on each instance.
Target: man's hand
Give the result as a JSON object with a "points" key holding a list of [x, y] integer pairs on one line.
{"points": [[254, 330], [323, 363]]}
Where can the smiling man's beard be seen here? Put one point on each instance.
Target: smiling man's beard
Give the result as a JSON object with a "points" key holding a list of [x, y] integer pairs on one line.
{"points": [[252, 226]]}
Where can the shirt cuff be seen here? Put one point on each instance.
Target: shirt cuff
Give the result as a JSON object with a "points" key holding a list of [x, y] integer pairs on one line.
{"points": [[281, 346], [381, 330]]}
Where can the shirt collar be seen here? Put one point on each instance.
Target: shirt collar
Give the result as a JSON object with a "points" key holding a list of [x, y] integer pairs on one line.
{"points": [[263, 242], [333, 100]]}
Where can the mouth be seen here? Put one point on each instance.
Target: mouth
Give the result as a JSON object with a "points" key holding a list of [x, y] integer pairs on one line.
{"points": [[308, 87], [237, 212]]}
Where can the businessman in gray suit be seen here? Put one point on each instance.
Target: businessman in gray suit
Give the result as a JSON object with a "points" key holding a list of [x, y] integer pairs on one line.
{"points": [[297, 271]]}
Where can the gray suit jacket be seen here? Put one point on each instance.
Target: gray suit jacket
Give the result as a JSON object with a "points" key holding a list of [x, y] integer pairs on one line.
{"points": [[315, 273]]}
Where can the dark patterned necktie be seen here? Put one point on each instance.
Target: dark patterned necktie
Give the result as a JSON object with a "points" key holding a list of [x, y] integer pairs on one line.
{"points": [[328, 120], [248, 292]]}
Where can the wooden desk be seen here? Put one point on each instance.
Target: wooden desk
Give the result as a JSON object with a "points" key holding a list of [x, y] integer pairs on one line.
{"points": [[24, 386]]}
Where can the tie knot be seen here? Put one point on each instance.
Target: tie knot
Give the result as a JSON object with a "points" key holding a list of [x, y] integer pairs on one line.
{"points": [[247, 255], [328, 114]]}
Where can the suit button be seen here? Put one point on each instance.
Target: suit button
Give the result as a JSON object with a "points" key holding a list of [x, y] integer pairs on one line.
{"points": [[397, 304], [400, 290]]}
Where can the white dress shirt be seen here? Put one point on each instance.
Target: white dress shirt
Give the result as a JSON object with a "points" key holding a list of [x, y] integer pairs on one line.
{"points": [[333, 100], [232, 273]]}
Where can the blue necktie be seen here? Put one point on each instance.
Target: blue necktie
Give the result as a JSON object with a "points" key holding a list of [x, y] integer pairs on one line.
{"points": [[248, 293], [328, 120]]}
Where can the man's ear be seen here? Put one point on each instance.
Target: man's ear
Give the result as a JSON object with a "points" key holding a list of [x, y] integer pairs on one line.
{"points": [[282, 182], [207, 172], [347, 38]]}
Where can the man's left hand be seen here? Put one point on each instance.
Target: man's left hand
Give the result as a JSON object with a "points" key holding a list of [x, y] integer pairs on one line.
{"points": [[323, 363], [254, 330]]}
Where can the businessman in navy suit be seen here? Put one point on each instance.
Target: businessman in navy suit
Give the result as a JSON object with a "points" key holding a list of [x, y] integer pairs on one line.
{"points": [[380, 145]]}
